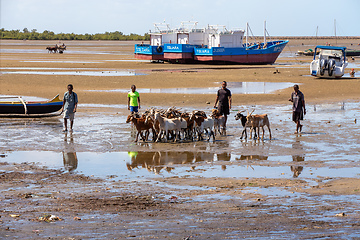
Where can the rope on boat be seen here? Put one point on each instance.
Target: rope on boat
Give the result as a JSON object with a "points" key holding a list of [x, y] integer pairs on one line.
{"points": [[292, 53], [22, 101]]}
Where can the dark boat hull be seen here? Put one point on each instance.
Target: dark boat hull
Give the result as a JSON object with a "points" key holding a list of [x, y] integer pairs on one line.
{"points": [[352, 53], [35, 107], [187, 53]]}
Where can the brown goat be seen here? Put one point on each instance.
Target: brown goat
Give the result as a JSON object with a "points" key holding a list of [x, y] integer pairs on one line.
{"points": [[141, 126], [257, 121]]}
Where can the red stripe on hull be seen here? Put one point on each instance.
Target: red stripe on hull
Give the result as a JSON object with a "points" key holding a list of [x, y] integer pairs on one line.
{"points": [[242, 59], [149, 57], [178, 56]]}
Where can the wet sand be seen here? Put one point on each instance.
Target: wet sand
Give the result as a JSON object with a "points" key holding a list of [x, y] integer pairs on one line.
{"points": [[308, 188], [164, 75]]}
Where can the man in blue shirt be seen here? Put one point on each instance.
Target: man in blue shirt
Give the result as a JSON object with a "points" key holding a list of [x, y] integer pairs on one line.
{"points": [[69, 107]]}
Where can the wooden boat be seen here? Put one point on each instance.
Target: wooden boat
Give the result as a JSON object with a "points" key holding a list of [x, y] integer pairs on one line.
{"points": [[352, 52], [19, 106], [307, 52]]}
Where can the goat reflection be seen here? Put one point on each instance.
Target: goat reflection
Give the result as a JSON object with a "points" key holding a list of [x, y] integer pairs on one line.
{"points": [[157, 161]]}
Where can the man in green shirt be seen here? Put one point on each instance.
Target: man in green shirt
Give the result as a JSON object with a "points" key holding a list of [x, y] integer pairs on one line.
{"points": [[133, 100]]}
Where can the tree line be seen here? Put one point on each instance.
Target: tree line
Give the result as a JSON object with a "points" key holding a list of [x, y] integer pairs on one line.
{"points": [[49, 35]]}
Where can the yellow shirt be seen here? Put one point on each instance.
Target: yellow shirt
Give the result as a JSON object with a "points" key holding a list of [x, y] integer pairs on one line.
{"points": [[133, 98]]}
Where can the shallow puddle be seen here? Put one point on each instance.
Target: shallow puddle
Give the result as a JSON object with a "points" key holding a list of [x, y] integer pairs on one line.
{"points": [[81, 73], [25, 98], [346, 75], [103, 145], [132, 165], [127, 60], [2, 50], [44, 68], [58, 61], [236, 88], [353, 65], [9, 50]]}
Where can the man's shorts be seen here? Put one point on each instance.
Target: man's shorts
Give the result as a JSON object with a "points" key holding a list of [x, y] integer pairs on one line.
{"points": [[134, 109], [69, 115], [224, 110], [297, 116]]}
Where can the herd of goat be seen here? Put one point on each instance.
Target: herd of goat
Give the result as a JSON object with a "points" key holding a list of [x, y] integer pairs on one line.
{"points": [[172, 124]]}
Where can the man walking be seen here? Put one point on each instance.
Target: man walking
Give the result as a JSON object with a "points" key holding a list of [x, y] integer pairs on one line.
{"points": [[69, 107], [133, 100], [224, 99], [297, 98]]}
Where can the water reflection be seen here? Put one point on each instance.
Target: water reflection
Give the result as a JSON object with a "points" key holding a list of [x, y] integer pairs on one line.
{"points": [[69, 154], [252, 157], [158, 161], [70, 161], [296, 169], [223, 157], [80, 73], [236, 88]]}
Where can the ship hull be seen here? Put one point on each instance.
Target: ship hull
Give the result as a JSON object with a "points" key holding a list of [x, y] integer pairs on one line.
{"points": [[148, 52], [240, 59], [187, 53], [254, 55]]}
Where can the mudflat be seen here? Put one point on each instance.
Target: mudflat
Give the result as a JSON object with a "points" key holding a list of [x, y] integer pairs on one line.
{"points": [[114, 56], [293, 186]]}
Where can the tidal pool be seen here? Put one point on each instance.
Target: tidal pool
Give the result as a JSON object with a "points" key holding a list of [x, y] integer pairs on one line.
{"points": [[58, 61], [133, 165], [102, 145], [345, 76], [81, 73], [236, 88]]}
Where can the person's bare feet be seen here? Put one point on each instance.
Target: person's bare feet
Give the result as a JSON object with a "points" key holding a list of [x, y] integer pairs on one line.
{"points": [[301, 128]]}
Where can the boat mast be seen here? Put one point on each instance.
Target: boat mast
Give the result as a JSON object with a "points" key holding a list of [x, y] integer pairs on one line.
{"points": [[264, 33], [247, 34], [335, 30], [317, 29]]}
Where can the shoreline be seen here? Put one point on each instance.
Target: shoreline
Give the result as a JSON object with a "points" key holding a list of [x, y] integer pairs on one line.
{"points": [[99, 183]]}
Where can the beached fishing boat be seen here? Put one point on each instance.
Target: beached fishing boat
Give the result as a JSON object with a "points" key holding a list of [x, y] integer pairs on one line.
{"points": [[213, 44], [171, 45], [329, 63], [228, 47], [188, 38], [19, 106], [307, 52], [352, 52], [155, 50]]}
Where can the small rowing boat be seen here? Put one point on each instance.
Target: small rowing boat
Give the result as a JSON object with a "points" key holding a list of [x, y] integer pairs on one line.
{"points": [[19, 106]]}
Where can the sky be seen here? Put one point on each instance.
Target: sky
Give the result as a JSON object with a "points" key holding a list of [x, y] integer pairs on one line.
{"points": [[283, 17]]}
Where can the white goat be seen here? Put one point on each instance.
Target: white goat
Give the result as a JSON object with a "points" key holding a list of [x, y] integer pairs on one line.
{"points": [[204, 124], [167, 125]]}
